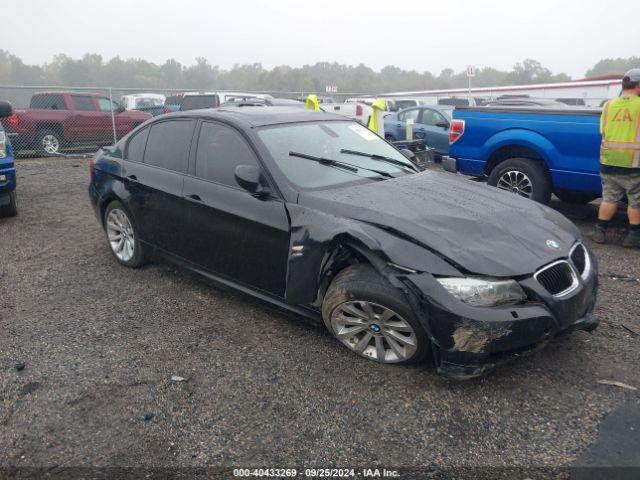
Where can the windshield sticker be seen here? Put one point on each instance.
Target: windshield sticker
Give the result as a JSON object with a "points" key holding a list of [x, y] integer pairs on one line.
{"points": [[363, 132]]}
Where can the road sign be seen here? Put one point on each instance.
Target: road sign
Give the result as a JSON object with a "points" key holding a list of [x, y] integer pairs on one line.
{"points": [[471, 71], [331, 89]]}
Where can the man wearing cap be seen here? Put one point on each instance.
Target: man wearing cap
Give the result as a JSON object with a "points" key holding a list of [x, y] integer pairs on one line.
{"points": [[620, 159]]}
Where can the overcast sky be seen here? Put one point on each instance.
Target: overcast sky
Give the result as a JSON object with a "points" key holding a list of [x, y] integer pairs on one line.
{"points": [[565, 36]]}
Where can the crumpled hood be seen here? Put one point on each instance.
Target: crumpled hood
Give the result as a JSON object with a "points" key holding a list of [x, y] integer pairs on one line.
{"points": [[484, 230]]}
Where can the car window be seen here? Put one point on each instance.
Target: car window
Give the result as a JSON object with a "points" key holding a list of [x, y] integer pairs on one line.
{"points": [[106, 105], [194, 102], [83, 103], [173, 100], [136, 145], [48, 102], [430, 117], [401, 104], [168, 144], [145, 102], [220, 150], [403, 116]]}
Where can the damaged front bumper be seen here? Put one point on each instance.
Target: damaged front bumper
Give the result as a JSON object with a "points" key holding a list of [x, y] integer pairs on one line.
{"points": [[468, 341]]}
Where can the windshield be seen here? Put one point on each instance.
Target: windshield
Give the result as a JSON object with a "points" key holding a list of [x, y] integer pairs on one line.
{"points": [[329, 140]]}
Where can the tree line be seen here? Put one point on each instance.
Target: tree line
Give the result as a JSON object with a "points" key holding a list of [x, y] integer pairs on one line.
{"points": [[93, 70]]}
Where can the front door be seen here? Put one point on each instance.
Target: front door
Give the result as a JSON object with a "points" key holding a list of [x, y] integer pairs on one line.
{"points": [[228, 231]]}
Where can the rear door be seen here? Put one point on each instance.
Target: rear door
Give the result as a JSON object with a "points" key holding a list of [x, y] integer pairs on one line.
{"points": [[156, 159], [228, 231], [87, 122], [400, 125]]}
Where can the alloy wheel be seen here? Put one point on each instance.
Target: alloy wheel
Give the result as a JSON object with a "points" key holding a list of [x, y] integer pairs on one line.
{"points": [[374, 331], [120, 234], [516, 182], [50, 144]]}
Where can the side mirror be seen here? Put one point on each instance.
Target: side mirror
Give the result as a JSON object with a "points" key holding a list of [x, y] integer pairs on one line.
{"points": [[248, 177], [5, 109], [121, 108], [408, 153], [442, 124]]}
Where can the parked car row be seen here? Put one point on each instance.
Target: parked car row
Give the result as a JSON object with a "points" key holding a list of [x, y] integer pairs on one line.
{"points": [[55, 120]]}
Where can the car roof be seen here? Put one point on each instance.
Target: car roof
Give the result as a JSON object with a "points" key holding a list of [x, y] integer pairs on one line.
{"points": [[260, 117]]}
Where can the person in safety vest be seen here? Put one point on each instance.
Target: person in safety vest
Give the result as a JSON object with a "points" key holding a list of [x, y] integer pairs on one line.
{"points": [[311, 103], [620, 159]]}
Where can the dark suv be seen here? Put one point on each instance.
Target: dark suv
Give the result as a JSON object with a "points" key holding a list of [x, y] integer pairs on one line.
{"points": [[318, 215]]}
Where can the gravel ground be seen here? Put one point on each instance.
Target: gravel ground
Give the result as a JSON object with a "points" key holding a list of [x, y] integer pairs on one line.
{"points": [[100, 344]]}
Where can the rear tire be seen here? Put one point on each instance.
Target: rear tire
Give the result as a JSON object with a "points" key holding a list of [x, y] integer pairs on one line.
{"points": [[372, 318], [10, 210], [524, 177], [122, 236], [48, 142], [579, 198]]}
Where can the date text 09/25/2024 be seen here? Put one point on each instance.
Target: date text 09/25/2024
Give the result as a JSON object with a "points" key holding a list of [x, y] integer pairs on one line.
{"points": [[316, 472]]}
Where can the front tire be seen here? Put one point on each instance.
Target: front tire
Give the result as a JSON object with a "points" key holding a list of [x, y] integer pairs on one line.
{"points": [[11, 209], [524, 177], [122, 236], [372, 318]]}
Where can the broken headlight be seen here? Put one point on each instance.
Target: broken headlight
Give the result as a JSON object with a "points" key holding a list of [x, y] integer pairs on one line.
{"points": [[483, 292]]}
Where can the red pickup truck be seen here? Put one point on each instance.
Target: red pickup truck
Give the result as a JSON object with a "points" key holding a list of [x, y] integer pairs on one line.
{"points": [[55, 120]]}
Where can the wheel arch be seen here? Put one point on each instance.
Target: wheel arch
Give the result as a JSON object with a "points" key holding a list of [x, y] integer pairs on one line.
{"points": [[519, 143], [56, 127]]}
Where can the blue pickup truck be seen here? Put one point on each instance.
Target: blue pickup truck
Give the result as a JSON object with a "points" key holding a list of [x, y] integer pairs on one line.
{"points": [[532, 152], [8, 206]]}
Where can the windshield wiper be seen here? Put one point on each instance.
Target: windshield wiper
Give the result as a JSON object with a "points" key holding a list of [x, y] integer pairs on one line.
{"points": [[380, 158], [338, 164]]}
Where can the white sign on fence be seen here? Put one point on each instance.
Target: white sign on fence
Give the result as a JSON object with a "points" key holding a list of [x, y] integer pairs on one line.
{"points": [[331, 89]]}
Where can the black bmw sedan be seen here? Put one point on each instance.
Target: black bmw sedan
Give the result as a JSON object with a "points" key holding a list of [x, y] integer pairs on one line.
{"points": [[318, 215]]}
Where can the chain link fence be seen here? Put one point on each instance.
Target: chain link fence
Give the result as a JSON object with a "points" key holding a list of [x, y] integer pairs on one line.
{"points": [[53, 121]]}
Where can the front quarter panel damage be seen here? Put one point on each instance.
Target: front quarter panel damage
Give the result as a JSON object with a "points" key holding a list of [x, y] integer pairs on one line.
{"points": [[315, 234]]}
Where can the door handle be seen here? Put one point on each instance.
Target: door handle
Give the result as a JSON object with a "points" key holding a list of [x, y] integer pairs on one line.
{"points": [[193, 198], [132, 178]]}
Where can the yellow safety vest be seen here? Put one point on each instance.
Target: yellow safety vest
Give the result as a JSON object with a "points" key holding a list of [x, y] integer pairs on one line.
{"points": [[620, 130], [311, 103], [378, 105]]}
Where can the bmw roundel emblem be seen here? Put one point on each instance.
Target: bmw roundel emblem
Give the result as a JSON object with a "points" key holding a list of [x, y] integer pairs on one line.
{"points": [[553, 244]]}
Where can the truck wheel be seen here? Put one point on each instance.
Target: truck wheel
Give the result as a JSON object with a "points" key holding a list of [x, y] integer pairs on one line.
{"points": [[523, 177], [10, 210], [48, 142], [580, 198], [372, 318]]}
